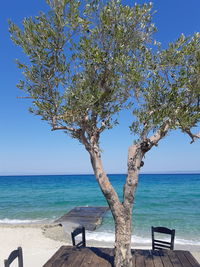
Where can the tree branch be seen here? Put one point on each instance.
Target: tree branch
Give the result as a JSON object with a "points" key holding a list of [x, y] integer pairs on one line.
{"points": [[135, 155], [147, 143], [145, 131], [54, 128], [191, 135], [154, 139]]}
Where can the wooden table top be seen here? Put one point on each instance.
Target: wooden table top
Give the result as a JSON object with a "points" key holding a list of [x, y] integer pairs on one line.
{"points": [[68, 256]]}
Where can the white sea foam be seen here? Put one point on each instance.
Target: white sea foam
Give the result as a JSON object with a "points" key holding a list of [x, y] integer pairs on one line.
{"points": [[109, 237], [187, 242], [16, 221]]}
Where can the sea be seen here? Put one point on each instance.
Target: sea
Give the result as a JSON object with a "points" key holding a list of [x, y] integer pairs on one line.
{"points": [[170, 200]]}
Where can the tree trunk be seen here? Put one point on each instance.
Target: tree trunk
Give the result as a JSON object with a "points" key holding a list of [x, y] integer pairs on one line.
{"points": [[122, 212], [123, 231]]}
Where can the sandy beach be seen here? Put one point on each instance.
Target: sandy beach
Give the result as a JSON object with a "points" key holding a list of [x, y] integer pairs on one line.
{"points": [[40, 242], [37, 248]]}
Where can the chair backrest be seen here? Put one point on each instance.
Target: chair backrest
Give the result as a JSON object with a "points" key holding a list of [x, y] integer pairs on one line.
{"points": [[13, 255], [159, 244], [77, 231]]}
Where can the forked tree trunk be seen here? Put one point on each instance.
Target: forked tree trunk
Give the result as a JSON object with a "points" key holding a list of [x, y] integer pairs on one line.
{"points": [[123, 232], [121, 211]]}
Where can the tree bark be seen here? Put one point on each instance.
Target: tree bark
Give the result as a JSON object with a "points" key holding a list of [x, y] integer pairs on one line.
{"points": [[107, 189], [135, 155], [122, 212], [123, 232]]}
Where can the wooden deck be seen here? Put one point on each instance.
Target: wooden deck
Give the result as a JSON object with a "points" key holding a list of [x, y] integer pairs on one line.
{"points": [[89, 217], [68, 256]]}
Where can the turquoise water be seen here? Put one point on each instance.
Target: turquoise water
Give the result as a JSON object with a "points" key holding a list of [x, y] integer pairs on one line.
{"points": [[171, 200]]}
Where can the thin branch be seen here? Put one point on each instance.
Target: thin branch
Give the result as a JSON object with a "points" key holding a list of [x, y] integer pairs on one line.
{"points": [[145, 131], [103, 124], [191, 135], [54, 128]]}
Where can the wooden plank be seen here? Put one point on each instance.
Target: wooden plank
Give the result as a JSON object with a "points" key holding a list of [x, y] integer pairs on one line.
{"points": [[174, 259], [91, 257], [148, 258], [165, 258], [103, 257], [139, 259], [74, 261], [99, 262], [109, 256], [87, 261], [68, 256], [191, 259], [90, 211], [60, 256], [89, 217], [156, 258], [56, 256], [97, 210], [183, 259], [80, 258]]}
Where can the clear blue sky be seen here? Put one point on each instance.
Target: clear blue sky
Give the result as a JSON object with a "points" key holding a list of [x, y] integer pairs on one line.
{"points": [[27, 146]]}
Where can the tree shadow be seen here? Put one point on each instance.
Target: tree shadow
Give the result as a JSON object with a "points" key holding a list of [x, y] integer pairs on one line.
{"points": [[104, 253]]}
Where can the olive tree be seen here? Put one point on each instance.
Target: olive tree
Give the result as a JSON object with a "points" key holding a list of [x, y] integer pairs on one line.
{"points": [[87, 62]]}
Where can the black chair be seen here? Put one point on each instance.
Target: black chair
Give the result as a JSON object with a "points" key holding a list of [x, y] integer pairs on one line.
{"points": [[13, 255], [77, 231], [159, 244]]}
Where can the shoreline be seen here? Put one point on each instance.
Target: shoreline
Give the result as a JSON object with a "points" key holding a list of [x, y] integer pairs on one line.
{"points": [[40, 241]]}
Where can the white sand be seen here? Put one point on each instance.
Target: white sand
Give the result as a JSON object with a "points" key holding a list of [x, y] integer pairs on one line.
{"points": [[37, 248], [39, 242]]}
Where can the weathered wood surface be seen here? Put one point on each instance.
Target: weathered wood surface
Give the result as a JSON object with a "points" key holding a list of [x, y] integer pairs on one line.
{"points": [[68, 256], [89, 217]]}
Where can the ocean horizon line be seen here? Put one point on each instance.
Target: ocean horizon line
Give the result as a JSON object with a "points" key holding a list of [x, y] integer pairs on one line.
{"points": [[92, 174]]}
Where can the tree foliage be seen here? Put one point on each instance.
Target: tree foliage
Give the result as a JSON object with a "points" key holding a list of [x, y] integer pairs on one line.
{"points": [[87, 60], [170, 93], [84, 60]]}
